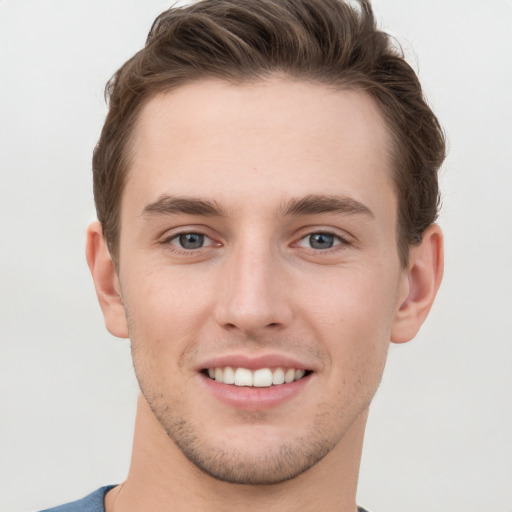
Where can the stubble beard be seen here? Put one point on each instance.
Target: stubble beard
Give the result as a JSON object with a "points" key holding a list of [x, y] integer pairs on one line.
{"points": [[287, 461], [244, 463], [237, 465]]}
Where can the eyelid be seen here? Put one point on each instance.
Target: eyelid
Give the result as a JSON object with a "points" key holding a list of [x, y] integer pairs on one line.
{"points": [[336, 239], [171, 235], [176, 236], [306, 231], [342, 239]]}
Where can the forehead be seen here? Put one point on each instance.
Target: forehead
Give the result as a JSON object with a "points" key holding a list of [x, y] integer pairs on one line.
{"points": [[261, 140]]}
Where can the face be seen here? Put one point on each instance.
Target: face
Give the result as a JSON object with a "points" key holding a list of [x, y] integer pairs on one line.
{"points": [[259, 270]]}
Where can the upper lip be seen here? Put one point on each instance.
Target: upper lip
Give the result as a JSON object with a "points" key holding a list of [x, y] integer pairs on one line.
{"points": [[254, 362]]}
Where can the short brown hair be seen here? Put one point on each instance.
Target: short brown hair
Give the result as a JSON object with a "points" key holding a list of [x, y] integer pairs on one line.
{"points": [[326, 41]]}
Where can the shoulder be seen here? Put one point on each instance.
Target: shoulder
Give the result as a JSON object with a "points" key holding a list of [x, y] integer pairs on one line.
{"points": [[91, 503]]}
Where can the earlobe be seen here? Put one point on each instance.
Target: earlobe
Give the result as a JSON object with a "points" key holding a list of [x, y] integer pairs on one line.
{"points": [[424, 275], [105, 281]]}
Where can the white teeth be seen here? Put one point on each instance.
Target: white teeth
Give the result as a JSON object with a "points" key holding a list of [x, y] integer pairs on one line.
{"points": [[260, 378], [289, 376], [229, 375], [243, 377], [299, 374], [278, 377]]}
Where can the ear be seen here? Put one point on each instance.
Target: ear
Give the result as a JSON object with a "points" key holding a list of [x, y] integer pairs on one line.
{"points": [[106, 281], [421, 282]]}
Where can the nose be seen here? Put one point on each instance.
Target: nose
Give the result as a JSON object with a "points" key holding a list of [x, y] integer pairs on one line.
{"points": [[253, 295]]}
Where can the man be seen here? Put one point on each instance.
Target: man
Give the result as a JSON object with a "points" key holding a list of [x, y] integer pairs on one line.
{"points": [[266, 189]]}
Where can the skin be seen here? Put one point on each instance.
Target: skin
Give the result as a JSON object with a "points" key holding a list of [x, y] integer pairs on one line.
{"points": [[257, 287]]}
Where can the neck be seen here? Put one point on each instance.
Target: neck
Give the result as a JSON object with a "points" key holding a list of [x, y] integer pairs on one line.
{"points": [[162, 478]]}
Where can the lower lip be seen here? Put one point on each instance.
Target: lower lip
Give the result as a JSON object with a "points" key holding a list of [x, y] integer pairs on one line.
{"points": [[249, 398]]}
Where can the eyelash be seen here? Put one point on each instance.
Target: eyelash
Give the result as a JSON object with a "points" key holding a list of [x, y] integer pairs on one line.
{"points": [[340, 242], [167, 242]]}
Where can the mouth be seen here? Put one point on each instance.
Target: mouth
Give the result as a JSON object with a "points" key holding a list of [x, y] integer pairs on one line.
{"points": [[257, 378], [256, 382]]}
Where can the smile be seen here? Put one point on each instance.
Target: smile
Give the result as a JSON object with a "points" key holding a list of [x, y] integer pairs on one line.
{"points": [[259, 378]]}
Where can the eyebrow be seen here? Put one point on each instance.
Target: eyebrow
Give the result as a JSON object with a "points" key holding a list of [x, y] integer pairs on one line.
{"points": [[309, 205], [168, 205], [316, 204]]}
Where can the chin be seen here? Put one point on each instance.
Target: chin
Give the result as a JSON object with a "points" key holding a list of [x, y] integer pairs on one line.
{"points": [[252, 453], [255, 462]]}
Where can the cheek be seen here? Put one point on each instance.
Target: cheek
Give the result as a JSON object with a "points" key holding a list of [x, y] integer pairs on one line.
{"points": [[166, 296], [166, 311], [359, 301], [353, 318]]}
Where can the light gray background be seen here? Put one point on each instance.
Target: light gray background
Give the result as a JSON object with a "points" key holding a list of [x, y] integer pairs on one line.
{"points": [[439, 435]]}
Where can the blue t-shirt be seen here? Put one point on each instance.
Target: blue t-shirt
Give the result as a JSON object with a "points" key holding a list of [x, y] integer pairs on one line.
{"points": [[94, 502]]}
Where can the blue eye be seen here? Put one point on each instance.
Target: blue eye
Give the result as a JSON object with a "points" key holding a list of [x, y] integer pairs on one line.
{"points": [[320, 241], [189, 244], [190, 240]]}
